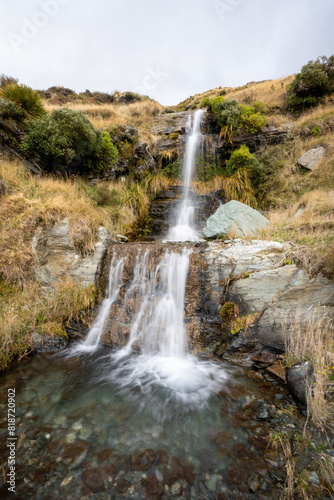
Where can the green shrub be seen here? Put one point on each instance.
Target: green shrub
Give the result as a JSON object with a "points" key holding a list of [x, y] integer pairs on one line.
{"points": [[26, 98], [65, 137], [227, 112], [205, 102], [174, 170], [251, 121], [237, 182], [240, 158], [206, 169], [9, 109], [315, 80], [266, 178], [107, 154], [223, 92], [258, 107], [316, 131], [231, 117]]}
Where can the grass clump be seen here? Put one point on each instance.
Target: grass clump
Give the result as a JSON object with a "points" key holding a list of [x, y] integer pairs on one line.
{"points": [[23, 311], [25, 98], [315, 343]]}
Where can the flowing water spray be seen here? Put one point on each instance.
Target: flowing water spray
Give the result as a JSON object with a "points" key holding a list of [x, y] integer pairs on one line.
{"points": [[184, 229], [91, 342], [164, 370]]}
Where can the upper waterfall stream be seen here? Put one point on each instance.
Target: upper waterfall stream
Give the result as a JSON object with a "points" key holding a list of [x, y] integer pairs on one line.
{"points": [[184, 229]]}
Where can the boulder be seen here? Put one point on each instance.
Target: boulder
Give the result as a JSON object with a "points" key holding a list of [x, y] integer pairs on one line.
{"points": [[47, 343], [311, 158], [244, 220], [299, 378], [58, 257]]}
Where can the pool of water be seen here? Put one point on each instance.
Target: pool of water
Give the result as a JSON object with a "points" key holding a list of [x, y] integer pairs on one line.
{"points": [[127, 426]]}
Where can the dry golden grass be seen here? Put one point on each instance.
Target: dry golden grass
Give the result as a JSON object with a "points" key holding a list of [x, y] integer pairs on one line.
{"points": [[316, 344], [272, 93], [24, 311], [311, 232], [139, 114], [37, 201]]}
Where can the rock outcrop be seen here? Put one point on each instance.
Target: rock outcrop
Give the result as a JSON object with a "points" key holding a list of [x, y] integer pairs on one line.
{"points": [[311, 158], [58, 257], [253, 275], [170, 129], [236, 216]]}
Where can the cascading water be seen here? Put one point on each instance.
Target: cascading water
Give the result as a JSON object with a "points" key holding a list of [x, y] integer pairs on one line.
{"points": [[184, 229], [159, 324], [164, 367], [91, 342]]}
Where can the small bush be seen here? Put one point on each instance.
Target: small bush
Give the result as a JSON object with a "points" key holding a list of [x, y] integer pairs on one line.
{"points": [[237, 177], [107, 155], [9, 109], [67, 138], [240, 158], [26, 98], [231, 117], [205, 102], [251, 121], [315, 80], [316, 131]]}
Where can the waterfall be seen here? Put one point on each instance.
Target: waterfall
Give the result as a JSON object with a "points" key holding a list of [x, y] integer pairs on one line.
{"points": [[158, 325], [91, 342], [184, 228]]}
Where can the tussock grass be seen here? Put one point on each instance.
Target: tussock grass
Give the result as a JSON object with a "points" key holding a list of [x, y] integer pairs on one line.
{"points": [[155, 183], [315, 344], [24, 311], [138, 114]]}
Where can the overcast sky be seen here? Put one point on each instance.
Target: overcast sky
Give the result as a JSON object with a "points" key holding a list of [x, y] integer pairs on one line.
{"points": [[168, 49]]}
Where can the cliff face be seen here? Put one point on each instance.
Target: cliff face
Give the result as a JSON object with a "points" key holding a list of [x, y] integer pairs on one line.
{"points": [[170, 129]]}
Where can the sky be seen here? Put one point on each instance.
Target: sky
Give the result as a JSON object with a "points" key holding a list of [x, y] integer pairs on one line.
{"points": [[167, 49]]}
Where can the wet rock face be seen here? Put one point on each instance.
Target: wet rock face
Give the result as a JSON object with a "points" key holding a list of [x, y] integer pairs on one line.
{"points": [[58, 257], [164, 211], [170, 128]]}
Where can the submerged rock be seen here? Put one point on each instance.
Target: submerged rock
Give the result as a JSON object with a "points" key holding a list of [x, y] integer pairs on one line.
{"points": [[236, 216], [46, 343]]}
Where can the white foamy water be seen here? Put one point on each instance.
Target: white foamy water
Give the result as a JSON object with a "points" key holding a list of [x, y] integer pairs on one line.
{"points": [[92, 340], [184, 229], [159, 331]]}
